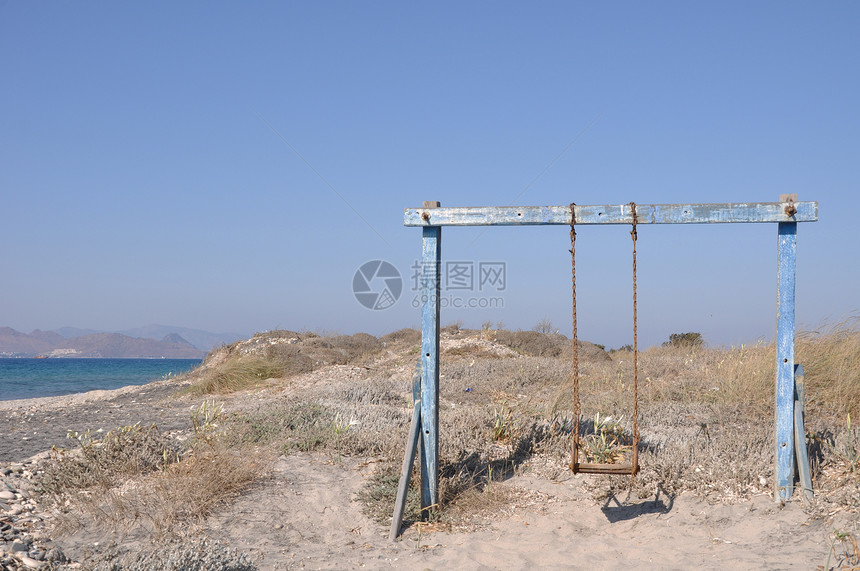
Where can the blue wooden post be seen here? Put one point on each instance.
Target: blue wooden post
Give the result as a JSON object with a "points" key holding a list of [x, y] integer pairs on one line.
{"points": [[430, 290], [785, 326]]}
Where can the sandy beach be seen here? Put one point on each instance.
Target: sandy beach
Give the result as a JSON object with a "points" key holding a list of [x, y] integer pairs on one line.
{"points": [[306, 513]]}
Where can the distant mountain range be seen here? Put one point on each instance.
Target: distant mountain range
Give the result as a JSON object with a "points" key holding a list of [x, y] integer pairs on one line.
{"points": [[151, 341], [203, 340]]}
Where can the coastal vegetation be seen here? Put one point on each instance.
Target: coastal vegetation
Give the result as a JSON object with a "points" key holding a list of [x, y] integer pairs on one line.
{"points": [[706, 422]]}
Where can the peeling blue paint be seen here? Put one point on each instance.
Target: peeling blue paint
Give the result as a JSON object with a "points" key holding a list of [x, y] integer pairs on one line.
{"points": [[612, 214], [785, 359], [430, 289]]}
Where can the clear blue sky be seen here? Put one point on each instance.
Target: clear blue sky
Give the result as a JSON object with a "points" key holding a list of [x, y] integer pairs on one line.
{"points": [[142, 180]]}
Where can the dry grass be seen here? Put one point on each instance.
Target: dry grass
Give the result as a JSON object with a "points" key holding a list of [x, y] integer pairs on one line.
{"points": [[356, 418], [165, 502], [139, 478], [744, 375], [240, 374], [190, 490], [831, 360], [706, 420], [406, 337], [706, 417], [533, 343], [120, 454], [844, 552], [273, 356], [380, 492]]}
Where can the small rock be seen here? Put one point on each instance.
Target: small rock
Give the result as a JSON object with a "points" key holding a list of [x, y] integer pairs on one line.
{"points": [[56, 555], [6, 471], [31, 563], [19, 545], [37, 554], [7, 495]]}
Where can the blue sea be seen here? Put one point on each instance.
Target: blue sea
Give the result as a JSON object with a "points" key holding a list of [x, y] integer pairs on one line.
{"points": [[32, 378]]}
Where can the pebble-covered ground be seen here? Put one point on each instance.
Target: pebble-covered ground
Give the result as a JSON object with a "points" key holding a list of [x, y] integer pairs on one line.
{"points": [[25, 545], [32, 427]]}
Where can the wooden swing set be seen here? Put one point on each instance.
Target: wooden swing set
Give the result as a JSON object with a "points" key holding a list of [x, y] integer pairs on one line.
{"points": [[424, 429], [576, 466]]}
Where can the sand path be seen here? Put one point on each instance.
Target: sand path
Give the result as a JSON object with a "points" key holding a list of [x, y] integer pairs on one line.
{"points": [[306, 517]]}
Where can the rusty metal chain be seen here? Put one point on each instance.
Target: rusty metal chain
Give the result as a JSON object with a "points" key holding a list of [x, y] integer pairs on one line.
{"points": [[574, 452], [635, 462]]}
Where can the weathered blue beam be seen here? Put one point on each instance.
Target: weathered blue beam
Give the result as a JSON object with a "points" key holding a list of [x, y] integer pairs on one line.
{"points": [[430, 290], [786, 264], [614, 214]]}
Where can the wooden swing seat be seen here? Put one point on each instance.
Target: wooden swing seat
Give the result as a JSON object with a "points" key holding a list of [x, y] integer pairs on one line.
{"points": [[606, 469]]}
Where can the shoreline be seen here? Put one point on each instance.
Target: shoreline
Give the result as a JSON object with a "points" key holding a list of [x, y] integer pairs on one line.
{"points": [[76, 398], [36, 425]]}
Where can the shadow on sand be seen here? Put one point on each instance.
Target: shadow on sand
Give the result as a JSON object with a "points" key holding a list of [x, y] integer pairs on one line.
{"points": [[615, 510]]}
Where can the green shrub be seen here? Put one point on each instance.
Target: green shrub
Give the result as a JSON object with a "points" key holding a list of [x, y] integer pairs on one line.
{"points": [[237, 374], [690, 339]]}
